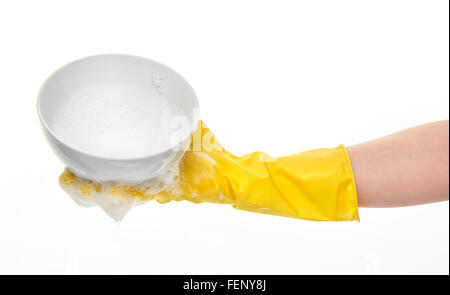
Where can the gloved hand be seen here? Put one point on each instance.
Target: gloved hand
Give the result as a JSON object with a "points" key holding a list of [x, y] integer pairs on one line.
{"points": [[313, 185]]}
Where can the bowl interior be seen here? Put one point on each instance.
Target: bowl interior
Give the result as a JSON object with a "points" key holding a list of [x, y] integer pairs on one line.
{"points": [[118, 106]]}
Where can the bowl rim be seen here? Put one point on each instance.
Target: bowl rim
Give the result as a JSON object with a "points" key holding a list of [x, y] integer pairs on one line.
{"points": [[192, 127]]}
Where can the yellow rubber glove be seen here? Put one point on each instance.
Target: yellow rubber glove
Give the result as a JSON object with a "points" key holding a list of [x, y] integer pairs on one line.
{"points": [[313, 185]]}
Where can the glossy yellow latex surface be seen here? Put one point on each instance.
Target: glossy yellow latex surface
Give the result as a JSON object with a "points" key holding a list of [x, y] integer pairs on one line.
{"points": [[314, 185]]}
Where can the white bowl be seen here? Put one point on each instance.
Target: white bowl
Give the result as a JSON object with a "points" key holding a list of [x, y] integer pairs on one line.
{"points": [[130, 88]]}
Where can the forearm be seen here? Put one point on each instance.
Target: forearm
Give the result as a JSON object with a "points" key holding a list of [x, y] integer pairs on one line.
{"points": [[409, 167]]}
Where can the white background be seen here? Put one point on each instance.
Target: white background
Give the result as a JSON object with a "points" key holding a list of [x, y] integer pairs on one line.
{"points": [[277, 76]]}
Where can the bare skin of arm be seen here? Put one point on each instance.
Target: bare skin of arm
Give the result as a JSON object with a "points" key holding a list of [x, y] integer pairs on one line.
{"points": [[406, 168]]}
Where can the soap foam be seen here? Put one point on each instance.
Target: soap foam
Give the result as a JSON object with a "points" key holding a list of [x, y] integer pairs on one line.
{"points": [[117, 198], [182, 180], [115, 122]]}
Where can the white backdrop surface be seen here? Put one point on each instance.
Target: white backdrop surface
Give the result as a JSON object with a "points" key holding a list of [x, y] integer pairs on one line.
{"points": [[276, 76]]}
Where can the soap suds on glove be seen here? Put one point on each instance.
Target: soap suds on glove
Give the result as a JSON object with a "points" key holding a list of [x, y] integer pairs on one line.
{"points": [[183, 180], [117, 198]]}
